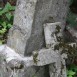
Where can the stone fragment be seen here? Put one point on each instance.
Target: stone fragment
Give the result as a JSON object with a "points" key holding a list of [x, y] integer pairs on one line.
{"points": [[52, 32], [21, 30]]}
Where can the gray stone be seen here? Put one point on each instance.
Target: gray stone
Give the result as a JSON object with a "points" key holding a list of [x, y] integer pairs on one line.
{"points": [[21, 30], [49, 32], [46, 11], [55, 69], [13, 61], [27, 34]]}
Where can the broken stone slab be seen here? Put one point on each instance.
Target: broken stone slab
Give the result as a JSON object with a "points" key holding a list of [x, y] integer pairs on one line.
{"points": [[21, 37], [43, 57], [47, 11], [52, 32], [58, 69], [25, 16], [39, 58], [30, 15], [23, 20]]}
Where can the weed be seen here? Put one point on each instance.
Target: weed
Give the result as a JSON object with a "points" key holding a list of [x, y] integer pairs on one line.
{"points": [[6, 21]]}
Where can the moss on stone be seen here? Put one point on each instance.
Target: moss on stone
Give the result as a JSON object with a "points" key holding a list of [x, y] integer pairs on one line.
{"points": [[64, 47], [35, 55]]}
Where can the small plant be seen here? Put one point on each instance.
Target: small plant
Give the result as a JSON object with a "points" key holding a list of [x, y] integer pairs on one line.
{"points": [[6, 21], [72, 71]]}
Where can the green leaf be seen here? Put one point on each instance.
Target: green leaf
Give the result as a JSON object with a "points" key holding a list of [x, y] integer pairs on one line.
{"points": [[71, 73], [4, 24], [6, 20], [9, 26], [12, 8], [3, 31], [70, 76], [7, 8], [0, 22], [8, 16], [1, 42]]}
